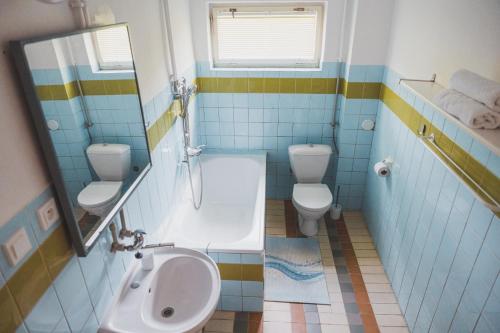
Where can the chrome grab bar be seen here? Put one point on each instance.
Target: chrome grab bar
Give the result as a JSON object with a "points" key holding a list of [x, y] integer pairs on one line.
{"points": [[431, 139]]}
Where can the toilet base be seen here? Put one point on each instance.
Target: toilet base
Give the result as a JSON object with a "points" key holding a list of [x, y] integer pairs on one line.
{"points": [[308, 227]]}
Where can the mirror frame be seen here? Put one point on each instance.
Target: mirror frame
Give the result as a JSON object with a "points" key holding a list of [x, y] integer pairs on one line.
{"points": [[81, 246]]}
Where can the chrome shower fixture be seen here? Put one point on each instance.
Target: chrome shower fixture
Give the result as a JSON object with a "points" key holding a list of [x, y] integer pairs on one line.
{"points": [[183, 92]]}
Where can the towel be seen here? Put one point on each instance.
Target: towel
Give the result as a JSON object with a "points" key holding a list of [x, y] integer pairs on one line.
{"points": [[470, 112], [477, 87]]}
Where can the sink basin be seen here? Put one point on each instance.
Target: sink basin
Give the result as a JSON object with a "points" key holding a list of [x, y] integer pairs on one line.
{"points": [[180, 294]]}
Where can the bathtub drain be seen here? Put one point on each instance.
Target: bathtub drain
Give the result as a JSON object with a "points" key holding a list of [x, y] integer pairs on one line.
{"points": [[167, 312]]}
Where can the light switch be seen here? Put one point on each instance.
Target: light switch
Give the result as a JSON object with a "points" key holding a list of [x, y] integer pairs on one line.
{"points": [[47, 214], [17, 247]]}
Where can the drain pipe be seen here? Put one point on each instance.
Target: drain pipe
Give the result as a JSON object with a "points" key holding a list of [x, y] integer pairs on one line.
{"points": [[339, 71], [80, 10]]}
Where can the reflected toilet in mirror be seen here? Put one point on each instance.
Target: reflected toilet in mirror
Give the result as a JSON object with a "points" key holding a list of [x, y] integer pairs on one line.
{"points": [[111, 163]]}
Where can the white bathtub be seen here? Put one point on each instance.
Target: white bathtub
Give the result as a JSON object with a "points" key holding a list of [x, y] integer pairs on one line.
{"points": [[232, 215]]}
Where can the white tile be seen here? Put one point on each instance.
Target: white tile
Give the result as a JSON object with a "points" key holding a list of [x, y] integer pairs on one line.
{"points": [[363, 246], [333, 318], [360, 239], [382, 298], [324, 308], [369, 262], [336, 297], [335, 329], [372, 269], [378, 287], [381, 308], [276, 306], [338, 308], [271, 327], [278, 316], [390, 320], [375, 278], [366, 253], [389, 329]]}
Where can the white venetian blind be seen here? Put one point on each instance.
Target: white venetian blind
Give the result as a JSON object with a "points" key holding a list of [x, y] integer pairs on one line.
{"points": [[268, 37], [113, 48]]}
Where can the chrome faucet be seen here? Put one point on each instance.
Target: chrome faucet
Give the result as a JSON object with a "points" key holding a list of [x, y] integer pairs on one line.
{"points": [[138, 254], [194, 151], [138, 240]]}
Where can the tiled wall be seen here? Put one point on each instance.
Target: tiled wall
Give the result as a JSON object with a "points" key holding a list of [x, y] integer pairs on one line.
{"points": [[242, 286], [438, 244], [270, 111]]}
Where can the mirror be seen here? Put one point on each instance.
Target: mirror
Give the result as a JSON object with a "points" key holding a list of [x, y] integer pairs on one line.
{"points": [[83, 94]]}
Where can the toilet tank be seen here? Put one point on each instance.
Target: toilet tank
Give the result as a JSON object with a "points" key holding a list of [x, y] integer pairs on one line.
{"points": [[309, 162], [110, 161]]}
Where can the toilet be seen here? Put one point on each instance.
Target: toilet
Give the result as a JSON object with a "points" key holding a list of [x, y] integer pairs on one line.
{"points": [[111, 163], [311, 198]]}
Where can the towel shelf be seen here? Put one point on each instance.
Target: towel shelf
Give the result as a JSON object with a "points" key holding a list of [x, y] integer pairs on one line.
{"points": [[427, 91], [479, 192]]}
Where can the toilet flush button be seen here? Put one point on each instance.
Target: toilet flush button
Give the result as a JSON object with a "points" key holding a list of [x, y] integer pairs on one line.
{"points": [[16, 247]]}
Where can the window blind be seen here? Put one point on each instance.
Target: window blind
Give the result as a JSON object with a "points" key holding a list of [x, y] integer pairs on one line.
{"points": [[273, 37], [113, 48]]}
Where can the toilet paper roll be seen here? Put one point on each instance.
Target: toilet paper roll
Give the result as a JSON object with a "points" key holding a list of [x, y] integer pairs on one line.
{"points": [[382, 169]]}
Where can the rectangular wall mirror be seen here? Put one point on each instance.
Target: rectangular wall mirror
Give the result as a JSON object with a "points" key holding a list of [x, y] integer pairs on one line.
{"points": [[82, 91]]}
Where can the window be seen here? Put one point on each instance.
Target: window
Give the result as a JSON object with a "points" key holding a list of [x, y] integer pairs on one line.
{"points": [[281, 35], [113, 49]]}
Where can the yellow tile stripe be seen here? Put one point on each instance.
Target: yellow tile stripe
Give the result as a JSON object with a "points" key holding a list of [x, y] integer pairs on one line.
{"points": [[162, 125], [414, 120], [267, 85], [23, 290], [89, 88], [241, 272]]}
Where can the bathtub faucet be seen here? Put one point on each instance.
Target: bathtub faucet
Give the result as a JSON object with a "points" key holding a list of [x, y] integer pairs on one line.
{"points": [[194, 151]]}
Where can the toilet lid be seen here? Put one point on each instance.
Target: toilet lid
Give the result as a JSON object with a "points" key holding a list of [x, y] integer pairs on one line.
{"points": [[99, 193], [312, 196]]}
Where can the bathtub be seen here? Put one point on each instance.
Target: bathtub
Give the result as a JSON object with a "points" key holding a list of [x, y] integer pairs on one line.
{"points": [[232, 215]]}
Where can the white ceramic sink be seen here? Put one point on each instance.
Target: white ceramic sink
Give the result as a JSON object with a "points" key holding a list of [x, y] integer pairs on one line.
{"points": [[179, 295]]}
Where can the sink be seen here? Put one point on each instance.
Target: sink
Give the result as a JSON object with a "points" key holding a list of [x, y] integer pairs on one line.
{"points": [[180, 294]]}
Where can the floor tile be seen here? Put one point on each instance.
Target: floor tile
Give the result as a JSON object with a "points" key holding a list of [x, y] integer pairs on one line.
{"points": [[391, 320]]}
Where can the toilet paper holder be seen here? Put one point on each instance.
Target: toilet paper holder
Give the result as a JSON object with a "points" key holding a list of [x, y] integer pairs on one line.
{"points": [[383, 168]]}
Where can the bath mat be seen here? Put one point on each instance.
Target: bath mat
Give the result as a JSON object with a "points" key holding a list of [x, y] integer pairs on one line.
{"points": [[293, 271]]}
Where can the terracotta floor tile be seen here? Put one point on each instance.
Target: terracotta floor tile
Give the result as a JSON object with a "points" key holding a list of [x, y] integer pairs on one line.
{"points": [[299, 328], [362, 298], [297, 311]]}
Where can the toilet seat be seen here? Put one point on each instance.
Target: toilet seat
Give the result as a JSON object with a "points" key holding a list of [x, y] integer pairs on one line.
{"points": [[312, 197], [99, 193]]}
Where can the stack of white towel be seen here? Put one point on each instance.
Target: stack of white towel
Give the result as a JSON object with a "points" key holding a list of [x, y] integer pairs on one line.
{"points": [[473, 99]]}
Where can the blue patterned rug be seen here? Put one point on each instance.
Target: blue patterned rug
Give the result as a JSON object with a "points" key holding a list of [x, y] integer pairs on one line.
{"points": [[293, 271]]}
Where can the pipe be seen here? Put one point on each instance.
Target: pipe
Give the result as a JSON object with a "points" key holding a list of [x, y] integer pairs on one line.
{"points": [[79, 8]]}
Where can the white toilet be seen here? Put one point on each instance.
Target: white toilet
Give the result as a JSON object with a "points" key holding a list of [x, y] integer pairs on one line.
{"points": [[111, 163], [311, 198]]}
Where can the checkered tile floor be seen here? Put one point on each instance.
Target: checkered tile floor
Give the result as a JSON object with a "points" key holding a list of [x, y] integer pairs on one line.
{"points": [[361, 297]]}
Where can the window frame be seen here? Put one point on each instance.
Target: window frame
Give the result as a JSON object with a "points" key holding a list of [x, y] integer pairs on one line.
{"points": [[268, 64], [110, 65]]}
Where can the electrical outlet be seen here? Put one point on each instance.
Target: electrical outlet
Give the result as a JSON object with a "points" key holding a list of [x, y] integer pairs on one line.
{"points": [[47, 214], [16, 247]]}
